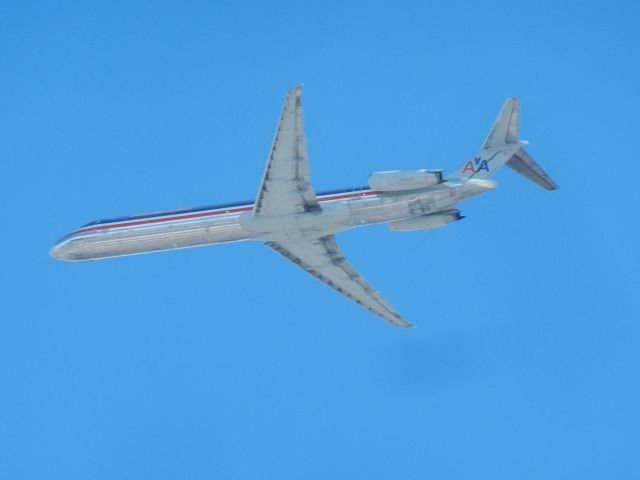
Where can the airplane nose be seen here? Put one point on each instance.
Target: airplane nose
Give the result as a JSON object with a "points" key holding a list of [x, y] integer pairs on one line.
{"points": [[60, 251], [55, 252]]}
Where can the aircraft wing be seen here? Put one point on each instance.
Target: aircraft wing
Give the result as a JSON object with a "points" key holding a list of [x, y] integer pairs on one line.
{"points": [[322, 258], [286, 188]]}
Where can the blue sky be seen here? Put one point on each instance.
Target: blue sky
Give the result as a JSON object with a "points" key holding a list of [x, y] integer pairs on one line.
{"points": [[227, 362]]}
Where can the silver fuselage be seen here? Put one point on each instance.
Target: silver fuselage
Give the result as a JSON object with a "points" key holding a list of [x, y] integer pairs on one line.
{"points": [[341, 211]]}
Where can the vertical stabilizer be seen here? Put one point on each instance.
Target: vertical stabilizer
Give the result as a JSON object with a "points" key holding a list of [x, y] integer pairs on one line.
{"points": [[506, 127], [502, 147]]}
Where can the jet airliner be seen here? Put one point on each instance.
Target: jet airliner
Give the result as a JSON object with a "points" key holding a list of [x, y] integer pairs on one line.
{"points": [[301, 224]]}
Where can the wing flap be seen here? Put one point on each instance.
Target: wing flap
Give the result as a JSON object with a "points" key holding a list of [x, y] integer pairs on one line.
{"points": [[323, 258]]}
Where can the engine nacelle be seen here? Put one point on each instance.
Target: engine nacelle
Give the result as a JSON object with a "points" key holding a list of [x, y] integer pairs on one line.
{"points": [[426, 222], [399, 180]]}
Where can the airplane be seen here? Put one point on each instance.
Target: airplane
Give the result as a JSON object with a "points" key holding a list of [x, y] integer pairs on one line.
{"points": [[301, 224]]}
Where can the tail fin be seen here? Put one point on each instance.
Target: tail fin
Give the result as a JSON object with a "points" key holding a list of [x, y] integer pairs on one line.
{"points": [[502, 147], [506, 127]]}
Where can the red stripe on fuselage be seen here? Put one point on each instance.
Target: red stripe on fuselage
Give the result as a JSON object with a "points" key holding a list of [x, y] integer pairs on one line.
{"points": [[191, 216]]}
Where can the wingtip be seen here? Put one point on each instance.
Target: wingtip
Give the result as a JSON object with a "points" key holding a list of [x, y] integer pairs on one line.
{"points": [[404, 324]]}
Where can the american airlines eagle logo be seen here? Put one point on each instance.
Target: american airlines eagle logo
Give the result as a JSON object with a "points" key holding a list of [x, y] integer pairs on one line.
{"points": [[475, 165]]}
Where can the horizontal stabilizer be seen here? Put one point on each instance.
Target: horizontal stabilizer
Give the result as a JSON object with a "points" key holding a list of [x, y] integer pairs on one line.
{"points": [[526, 166]]}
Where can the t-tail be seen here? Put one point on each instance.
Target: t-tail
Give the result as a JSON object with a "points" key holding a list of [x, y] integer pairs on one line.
{"points": [[502, 147]]}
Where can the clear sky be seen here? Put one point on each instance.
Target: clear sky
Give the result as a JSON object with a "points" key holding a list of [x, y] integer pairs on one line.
{"points": [[229, 363]]}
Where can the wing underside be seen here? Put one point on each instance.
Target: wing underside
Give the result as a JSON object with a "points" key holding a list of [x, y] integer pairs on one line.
{"points": [[323, 258], [286, 188]]}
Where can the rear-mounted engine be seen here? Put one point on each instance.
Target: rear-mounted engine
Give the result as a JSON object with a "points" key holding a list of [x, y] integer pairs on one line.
{"points": [[399, 180]]}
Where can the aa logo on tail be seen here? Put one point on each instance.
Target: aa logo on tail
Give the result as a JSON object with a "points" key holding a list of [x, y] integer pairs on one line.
{"points": [[475, 165]]}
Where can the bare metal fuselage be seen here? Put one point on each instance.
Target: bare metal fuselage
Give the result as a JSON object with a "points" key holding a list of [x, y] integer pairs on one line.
{"points": [[300, 224], [193, 228]]}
